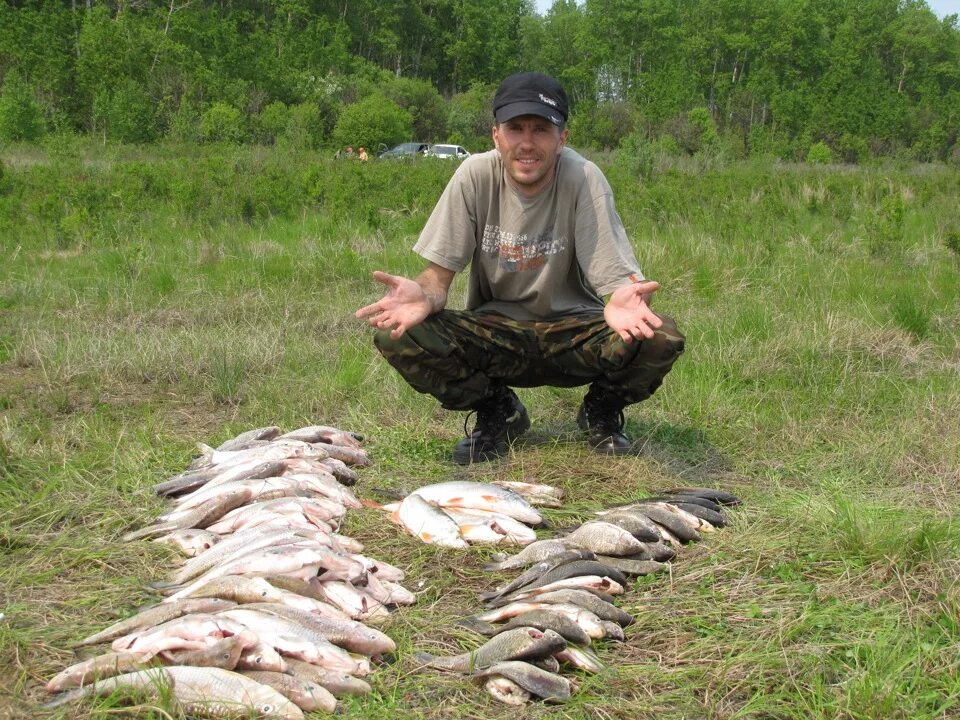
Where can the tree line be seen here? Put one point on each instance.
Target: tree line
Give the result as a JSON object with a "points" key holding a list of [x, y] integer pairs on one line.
{"points": [[848, 78]]}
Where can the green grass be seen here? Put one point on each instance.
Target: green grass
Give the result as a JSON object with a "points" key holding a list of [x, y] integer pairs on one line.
{"points": [[154, 298]]}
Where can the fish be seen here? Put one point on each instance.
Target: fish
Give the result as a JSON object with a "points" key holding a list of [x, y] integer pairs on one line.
{"points": [[586, 582], [156, 615], [97, 668], [517, 644], [506, 690], [580, 658], [629, 566], [688, 499], [189, 632], [292, 559], [581, 598], [344, 474], [678, 527], [490, 527], [337, 683], [223, 653], [429, 523], [235, 545], [717, 519], [533, 553], [198, 517], [261, 656], [354, 457], [695, 521], [306, 695], [351, 600], [190, 541], [192, 480], [535, 493], [536, 571], [543, 619], [547, 686], [637, 524], [272, 450], [295, 640], [605, 538], [719, 496], [575, 568], [324, 434], [348, 634], [612, 631], [244, 439], [466, 495], [197, 691]]}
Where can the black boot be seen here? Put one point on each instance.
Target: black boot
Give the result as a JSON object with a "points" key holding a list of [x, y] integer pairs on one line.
{"points": [[601, 416], [500, 420]]}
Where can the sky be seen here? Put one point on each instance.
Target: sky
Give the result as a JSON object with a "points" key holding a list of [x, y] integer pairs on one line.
{"points": [[941, 8]]}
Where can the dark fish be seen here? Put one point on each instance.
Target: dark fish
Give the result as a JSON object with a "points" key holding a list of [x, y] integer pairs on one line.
{"points": [[630, 566], [614, 631], [719, 496], [637, 524], [517, 644], [536, 571], [670, 521], [544, 684], [543, 619], [718, 519], [603, 609], [692, 499], [562, 572]]}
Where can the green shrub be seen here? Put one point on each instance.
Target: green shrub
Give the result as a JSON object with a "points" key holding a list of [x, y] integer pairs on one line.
{"points": [[853, 148], [272, 122], [375, 119], [221, 123], [820, 154], [304, 127], [21, 117], [125, 113]]}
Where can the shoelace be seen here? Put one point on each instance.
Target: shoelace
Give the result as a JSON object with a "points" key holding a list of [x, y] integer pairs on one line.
{"points": [[498, 413]]}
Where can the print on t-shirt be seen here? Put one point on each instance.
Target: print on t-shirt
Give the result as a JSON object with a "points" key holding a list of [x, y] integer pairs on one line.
{"points": [[520, 252]]}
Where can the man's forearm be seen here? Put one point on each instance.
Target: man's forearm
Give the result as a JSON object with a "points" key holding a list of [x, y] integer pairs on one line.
{"points": [[435, 281]]}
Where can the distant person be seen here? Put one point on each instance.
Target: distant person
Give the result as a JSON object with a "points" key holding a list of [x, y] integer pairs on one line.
{"points": [[362, 154], [347, 153], [537, 225]]}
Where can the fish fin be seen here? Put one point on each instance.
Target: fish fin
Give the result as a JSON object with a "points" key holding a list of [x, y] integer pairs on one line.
{"points": [[371, 504]]}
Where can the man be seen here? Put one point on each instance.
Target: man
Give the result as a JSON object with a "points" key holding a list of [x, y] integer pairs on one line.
{"points": [[537, 225]]}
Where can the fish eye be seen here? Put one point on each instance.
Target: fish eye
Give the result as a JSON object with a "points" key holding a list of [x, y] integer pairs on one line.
{"points": [[267, 709]]}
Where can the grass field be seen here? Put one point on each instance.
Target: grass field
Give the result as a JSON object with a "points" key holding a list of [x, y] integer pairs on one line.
{"points": [[150, 299]]}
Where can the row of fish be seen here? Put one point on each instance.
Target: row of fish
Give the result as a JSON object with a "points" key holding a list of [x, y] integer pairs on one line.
{"points": [[271, 612], [563, 601], [460, 513]]}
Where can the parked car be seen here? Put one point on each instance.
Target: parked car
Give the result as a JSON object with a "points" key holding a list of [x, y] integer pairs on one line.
{"points": [[406, 150], [448, 152]]}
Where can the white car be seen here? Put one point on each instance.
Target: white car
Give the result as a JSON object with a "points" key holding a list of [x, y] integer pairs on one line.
{"points": [[448, 152]]}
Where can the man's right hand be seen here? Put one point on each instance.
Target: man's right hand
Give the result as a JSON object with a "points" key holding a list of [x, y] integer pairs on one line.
{"points": [[404, 306]]}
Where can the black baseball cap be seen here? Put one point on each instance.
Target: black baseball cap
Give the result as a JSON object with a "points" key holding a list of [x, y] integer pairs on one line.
{"points": [[530, 93]]}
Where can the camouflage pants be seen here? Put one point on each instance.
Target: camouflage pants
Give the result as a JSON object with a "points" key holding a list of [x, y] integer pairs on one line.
{"points": [[463, 357]]}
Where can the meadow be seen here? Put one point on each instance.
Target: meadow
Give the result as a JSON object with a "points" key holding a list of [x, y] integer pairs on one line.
{"points": [[153, 298]]}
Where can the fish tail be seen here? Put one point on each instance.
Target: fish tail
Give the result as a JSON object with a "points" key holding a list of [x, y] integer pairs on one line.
{"points": [[477, 625], [150, 531]]}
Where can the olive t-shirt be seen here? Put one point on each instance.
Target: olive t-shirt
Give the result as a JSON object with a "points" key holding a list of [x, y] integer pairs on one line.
{"points": [[536, 258]]}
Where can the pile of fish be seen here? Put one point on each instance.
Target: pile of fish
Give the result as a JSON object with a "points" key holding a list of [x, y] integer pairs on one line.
{"points": [[270, 614], [456, 514], [551, 613]]}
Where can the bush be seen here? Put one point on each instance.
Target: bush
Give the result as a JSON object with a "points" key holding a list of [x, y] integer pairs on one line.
{"points": [[375, 119], [470, 118], [853, 148], [21, 117], [221, 123], [304, 128], [125, 113], [820, 154], [272, 122], [425, 105], [602, 126]]}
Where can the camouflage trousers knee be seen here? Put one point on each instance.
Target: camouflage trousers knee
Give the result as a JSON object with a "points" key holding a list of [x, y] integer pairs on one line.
{"points": [[462, 358]]}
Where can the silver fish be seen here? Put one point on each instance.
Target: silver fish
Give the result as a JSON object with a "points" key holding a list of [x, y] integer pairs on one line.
{"points": [[189, 541], [517, 644], [545, 685], [156, 615], [480, 496], [533, 553], [306, 695], [244, 439]]}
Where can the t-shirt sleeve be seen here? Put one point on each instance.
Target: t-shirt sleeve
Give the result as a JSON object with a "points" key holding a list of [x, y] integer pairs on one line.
{"points": [[604, 252], [450, 236]]}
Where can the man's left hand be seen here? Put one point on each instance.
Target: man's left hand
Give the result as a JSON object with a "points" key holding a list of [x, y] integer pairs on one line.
{"points": [[628, 311]]}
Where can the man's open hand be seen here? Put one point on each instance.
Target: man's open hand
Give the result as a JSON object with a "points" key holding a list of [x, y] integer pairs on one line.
{"points": [[404, 306], [628, 311]]}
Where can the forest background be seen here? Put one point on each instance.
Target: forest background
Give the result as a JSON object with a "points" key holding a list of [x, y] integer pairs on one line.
{"points": [[841, 79]]}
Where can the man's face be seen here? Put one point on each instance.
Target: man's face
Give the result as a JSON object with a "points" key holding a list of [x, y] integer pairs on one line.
{"points": [[529, 146]]}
